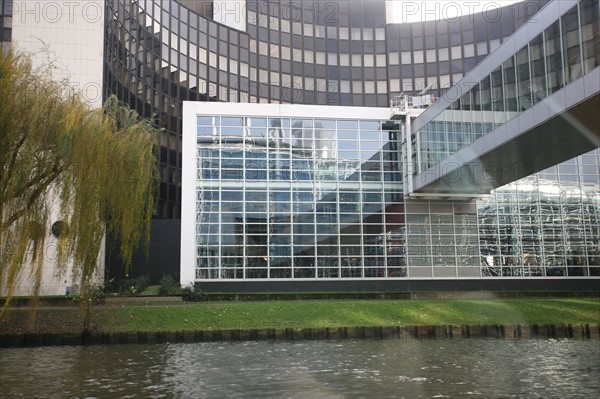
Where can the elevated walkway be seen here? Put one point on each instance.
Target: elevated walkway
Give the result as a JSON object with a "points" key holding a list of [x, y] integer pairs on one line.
{"points": [[531, 104], [561, 127]]}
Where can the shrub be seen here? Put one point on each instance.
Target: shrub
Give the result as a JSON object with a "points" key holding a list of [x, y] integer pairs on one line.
{"points": [[168, 285], [192, 293], [131, 286]]}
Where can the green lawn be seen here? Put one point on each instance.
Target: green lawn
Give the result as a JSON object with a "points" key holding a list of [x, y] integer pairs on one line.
{"points": [[345, 313], [151, 290]]}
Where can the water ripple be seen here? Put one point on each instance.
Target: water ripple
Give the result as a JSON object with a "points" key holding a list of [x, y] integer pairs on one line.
{"points": [[329, 369]]}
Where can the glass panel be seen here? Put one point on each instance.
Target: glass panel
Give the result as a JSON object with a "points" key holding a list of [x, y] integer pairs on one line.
{"points": [[571, 45], [538, 69], [523, 79], [498, 96], [510, 89], [554, 58], [476, 94], [465, 101], [486, 94], [590, 33]]}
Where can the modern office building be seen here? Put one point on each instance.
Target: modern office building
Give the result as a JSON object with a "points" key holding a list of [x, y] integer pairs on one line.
{"points": [[328, 189], [287, 196]]}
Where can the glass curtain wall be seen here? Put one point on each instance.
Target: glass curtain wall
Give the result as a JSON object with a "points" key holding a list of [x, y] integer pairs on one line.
{"points": [[298, 198], [544, 225], [306, 198]]}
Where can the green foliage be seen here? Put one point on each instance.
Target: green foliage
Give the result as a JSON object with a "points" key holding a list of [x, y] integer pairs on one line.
{"points": [[57, 153], [126, 287], [192, 293], [168, 285]]}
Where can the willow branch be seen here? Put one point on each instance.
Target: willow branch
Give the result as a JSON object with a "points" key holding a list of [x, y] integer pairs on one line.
{"points": [[43, 186]]}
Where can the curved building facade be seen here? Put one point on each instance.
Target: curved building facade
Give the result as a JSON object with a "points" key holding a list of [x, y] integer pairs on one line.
{"points": [[251, 220], [160, 53]]}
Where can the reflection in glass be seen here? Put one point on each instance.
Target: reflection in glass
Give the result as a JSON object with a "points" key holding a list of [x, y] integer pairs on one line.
{"points": [[571, 45], [590, 33], [510, 87], [530, 228], [285, 202], [554, 57], [538, 69], [523, 79]]}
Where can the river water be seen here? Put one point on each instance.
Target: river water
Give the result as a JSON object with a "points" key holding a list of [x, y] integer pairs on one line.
{"points": [[389, 368]]}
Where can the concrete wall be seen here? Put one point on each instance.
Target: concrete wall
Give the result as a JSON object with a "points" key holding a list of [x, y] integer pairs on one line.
{"points": [[501, 332], [489, 284], [69, 37]]}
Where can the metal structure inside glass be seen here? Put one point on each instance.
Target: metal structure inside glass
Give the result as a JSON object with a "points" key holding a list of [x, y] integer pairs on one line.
{"points": [[302, 198]]}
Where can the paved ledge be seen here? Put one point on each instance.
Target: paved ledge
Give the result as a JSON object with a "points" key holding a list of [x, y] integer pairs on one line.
{"points": [[429, 295], [22, 302], [133, 300], [507, 332]]}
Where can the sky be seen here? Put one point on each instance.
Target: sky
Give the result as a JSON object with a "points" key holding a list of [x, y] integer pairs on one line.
{"points": [[425, 10]]}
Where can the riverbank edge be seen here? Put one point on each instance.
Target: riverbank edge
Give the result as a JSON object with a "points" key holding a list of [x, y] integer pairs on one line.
{"points": [[507, 332], [19, 302]]}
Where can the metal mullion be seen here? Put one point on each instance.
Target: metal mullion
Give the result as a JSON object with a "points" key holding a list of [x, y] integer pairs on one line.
{"points": [[244, 221], [540, 226], [478, 238], [499, 246], [584, 223], [547, 82], [315, 218], [455, 236], [337, 224], [579, 29], [430, 237], [268, 202], [562, 54], [219, 230], [292, 218], [530, 86]]}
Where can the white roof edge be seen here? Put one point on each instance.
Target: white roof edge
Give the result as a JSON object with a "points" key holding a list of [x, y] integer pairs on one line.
{"points": [[287, 110]]}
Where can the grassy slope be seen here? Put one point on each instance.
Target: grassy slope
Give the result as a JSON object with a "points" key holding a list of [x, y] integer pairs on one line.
{"points": [[337, 313]]}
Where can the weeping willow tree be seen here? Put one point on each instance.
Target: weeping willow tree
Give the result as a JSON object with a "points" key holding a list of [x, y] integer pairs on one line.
{"points": [[96, 168]]}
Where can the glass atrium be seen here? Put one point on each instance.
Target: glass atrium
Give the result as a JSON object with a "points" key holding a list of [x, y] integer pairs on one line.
{"points": [[303, 198]]}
